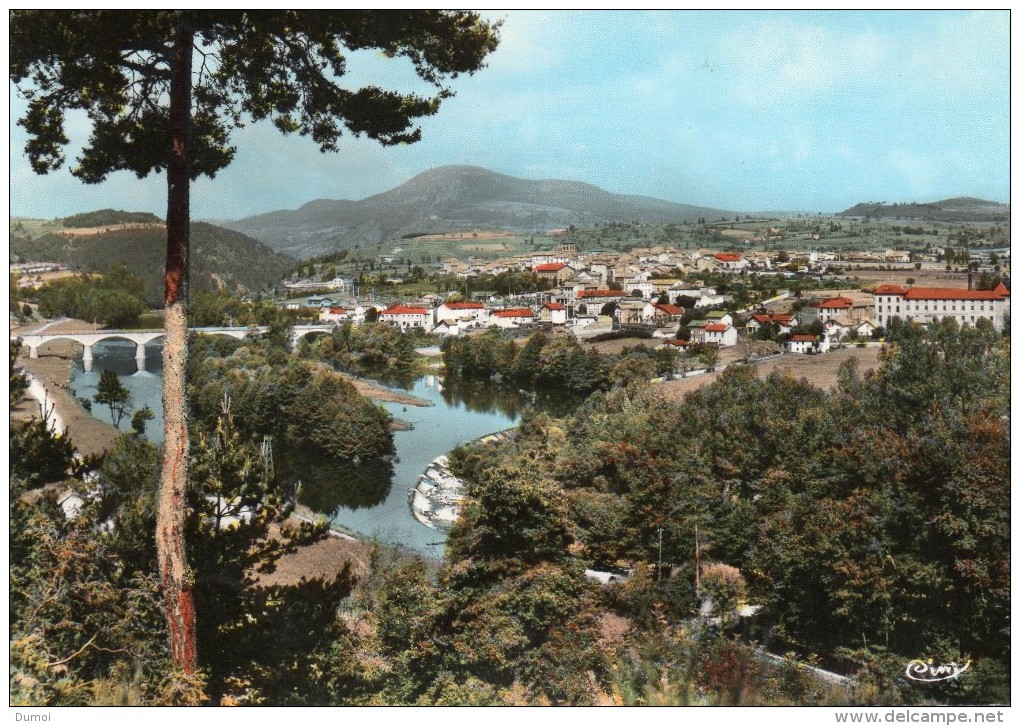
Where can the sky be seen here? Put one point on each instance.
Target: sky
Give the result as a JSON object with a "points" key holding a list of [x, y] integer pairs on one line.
{"points": [[741, 110]]}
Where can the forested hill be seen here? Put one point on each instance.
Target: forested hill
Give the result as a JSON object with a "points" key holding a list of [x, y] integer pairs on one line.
{"points": [[957, 209], [108, 217], [219, 257], [455, 198]]}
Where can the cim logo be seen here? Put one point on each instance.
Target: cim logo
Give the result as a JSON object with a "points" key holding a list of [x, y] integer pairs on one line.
{"points": [[927, 672]]}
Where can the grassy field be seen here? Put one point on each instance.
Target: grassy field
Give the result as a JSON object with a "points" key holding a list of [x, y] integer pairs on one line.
{"points": [[479, 235], [92, 231], [819, 370], [487, 245], [921, 278], [32, 228], [484, 247], [39, 279]]}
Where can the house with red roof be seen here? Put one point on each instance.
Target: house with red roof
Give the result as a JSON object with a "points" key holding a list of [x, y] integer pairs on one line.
{"points": [[553, 312], [334, 315], [468, 313], [593, 301], [925, 304], [512, 317], [406, 317], [832, 307], [784, 322], [555, 272], [756, 322], [675, 344], [663, 314], [720, 335], [729, 261]]}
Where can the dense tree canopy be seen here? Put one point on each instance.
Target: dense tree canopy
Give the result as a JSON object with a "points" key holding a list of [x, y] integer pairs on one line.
{"points": [[116, 299], [869, 519]]}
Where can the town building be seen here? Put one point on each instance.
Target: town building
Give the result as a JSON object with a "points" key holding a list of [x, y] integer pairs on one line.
{"points": [[807, 344], [334, 315], [547, 258], [720, 335], [925, 304], [553, 312], [406, 317], [756, 322], [638, 287], [337, 283], [662, 314], [729, 261], [719, 316], [555, 272], [467, 313], [630, 312], [512, 318], [784, 322], [829, 308], [594, 300]]}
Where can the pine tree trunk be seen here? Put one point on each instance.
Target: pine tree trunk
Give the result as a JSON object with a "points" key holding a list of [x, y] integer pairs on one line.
{"points": [[172, 506]]}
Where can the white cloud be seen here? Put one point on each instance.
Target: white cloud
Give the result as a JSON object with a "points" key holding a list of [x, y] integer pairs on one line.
{"points": [[779, 61], [920, 173], [529, 41], [786, 59]]}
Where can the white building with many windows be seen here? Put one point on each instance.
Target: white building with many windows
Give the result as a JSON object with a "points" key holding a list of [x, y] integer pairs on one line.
{"points": [[924, 304]]}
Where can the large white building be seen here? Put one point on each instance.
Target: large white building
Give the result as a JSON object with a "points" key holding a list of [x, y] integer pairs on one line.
{"points": [[466, 314], [924, 304], [406, 317]]}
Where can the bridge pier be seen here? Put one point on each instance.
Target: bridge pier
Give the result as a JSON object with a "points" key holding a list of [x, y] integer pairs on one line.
{"points": [[86, 359], [33, 351], [140, 356]]}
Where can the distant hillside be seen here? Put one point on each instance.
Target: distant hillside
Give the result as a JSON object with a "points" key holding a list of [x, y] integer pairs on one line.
{"points": [[219, 257], [456, 198], [957, 209], [107, 217]]}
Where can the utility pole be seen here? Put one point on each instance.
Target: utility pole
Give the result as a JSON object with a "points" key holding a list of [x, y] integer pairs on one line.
{"points": [[697, 561], [658, 571]]}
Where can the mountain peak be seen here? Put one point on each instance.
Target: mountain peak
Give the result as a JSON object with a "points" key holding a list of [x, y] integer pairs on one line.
{"points": [[457, 198]]}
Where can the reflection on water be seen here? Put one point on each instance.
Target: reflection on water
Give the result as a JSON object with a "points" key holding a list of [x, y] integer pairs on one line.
{"points": [[489, 397], [326, 487], [484, 397], [145, 386]]}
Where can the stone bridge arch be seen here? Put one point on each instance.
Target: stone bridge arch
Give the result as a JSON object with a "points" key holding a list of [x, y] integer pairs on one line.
{"points": [[86, 339], [303, 331]]}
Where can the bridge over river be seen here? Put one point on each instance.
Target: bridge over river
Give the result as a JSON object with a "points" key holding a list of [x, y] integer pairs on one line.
{"points": [[88, 338]]}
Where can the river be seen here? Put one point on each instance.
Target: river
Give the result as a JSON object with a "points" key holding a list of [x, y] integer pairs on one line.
{"points": [[368, 501]]}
